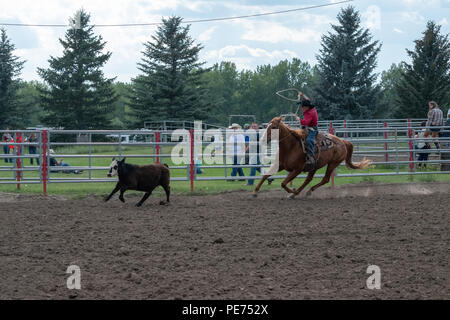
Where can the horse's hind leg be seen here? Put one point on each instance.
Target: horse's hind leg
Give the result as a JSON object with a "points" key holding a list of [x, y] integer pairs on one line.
{"points": [[326, 179]]}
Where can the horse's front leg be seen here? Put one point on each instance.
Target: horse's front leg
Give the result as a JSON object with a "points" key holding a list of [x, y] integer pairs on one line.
{"points": [[307, 181], [291, 176], [272, 170], [258, 187]]}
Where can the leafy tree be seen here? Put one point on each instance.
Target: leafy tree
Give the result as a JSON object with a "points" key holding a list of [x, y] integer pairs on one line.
{"points": [[223, 86], [10, 68], [78, 96], [260, 97], [170, 86], [427, 78], [253, 92], [389, 82], [121, 108], [346, 86], [29, 111]]}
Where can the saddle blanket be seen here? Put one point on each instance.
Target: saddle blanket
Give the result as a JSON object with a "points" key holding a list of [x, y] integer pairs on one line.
{"points": [[324, 141]]}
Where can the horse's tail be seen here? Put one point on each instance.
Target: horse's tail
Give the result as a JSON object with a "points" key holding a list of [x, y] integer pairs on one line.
{"points": [[348, 161]]}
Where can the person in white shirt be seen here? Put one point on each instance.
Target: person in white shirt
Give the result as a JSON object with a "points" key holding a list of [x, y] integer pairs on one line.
{"points": [[236, 146]]}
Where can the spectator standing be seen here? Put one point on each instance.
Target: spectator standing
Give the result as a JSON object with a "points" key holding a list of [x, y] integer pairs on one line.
{"points": [[33, 149], [6, 148], [435, 119], [247, 143], [237, 145], [421, 144]]}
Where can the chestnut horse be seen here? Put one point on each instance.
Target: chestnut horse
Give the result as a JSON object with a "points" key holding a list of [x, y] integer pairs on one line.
{"points": [[292, 158]]}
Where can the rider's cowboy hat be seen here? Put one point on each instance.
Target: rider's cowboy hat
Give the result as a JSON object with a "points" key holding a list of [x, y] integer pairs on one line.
{"points": [[235, 126], [307, 103]]}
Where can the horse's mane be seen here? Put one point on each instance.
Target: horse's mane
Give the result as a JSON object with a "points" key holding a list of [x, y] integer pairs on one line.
{"points": [[298, 133]]}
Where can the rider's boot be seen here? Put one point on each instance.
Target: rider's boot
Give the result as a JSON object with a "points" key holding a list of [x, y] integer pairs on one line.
{"points": [[310, 162]]}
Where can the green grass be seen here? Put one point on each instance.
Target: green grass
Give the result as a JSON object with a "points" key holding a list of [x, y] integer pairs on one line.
{"points": [[183, 187]]}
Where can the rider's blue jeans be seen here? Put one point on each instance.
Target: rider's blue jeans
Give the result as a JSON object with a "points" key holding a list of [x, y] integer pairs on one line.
{"points": [[310, 140]]}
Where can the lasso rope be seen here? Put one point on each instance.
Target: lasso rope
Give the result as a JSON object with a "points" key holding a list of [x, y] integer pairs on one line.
{"points": [[280, 94]]}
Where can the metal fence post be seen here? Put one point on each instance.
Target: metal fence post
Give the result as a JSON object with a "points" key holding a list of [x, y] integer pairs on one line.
{"points": [[345, 128], [386, 155], [90, 156], [333, 173], [40, 157], [120, 145], [44, 162], [411, 156], [18, 159], [158, 147], [192, 164], [396, 152]]}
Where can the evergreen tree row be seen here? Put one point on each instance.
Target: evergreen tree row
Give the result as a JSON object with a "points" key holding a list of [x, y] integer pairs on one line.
{"points": [[174, 85]]}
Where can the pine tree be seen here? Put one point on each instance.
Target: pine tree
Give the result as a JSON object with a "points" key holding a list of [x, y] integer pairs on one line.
{"points": [[346, 86], [78, 94], [170, 86], [427, 78], [10, 68]]}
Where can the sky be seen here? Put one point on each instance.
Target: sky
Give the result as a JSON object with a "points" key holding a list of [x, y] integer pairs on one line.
{"points": [[246, 42]]}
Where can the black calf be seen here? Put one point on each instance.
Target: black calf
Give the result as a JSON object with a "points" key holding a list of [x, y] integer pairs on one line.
{"points": [[139, 178]]}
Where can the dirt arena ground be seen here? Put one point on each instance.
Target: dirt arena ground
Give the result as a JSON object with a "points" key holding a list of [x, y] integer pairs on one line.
{"points": [[230, 246]]}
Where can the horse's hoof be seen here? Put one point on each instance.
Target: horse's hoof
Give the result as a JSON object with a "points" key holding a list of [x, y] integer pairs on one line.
{"points": [[138, 205], [255, 195], [291, 197], [163, 203]]}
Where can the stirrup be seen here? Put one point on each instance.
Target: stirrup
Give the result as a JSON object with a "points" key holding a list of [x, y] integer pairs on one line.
{"points": [[310, 164], [310, 160]]}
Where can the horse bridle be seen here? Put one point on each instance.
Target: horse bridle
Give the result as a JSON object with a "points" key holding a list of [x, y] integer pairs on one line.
{"points": [[290, 134]]}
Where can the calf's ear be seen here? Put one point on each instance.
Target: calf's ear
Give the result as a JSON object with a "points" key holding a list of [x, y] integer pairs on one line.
{"points": [[113, 159], [123, 160]]}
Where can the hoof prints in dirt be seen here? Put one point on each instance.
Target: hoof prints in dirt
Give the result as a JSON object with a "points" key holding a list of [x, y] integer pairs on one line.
{"points": [[227, 247]]}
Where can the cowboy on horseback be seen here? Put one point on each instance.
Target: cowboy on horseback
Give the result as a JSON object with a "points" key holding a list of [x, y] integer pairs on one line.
{"points": [[309, 122]]}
